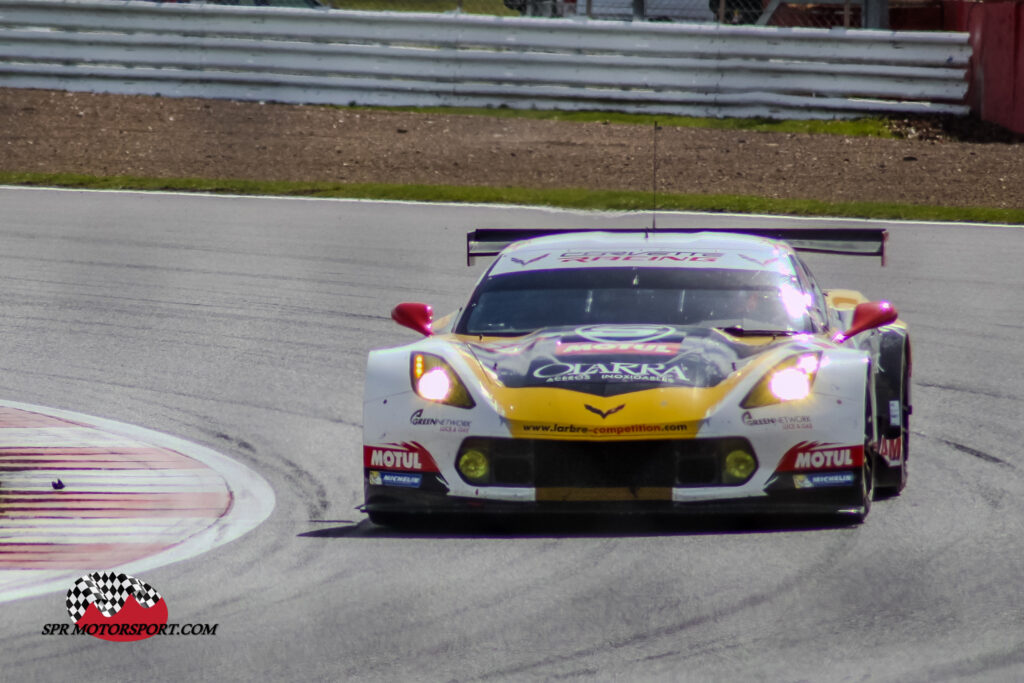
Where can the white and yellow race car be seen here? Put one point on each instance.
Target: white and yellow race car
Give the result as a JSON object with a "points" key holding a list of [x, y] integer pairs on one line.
{"points": [[642, 371]]}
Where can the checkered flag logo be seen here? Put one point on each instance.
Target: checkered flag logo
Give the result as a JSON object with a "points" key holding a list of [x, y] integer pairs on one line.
{"points": [[109, 592]]}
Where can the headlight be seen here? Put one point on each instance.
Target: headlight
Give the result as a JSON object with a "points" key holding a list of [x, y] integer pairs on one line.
{"points": [[790, 380], [738, 466], [474, 466], [433, 379]]}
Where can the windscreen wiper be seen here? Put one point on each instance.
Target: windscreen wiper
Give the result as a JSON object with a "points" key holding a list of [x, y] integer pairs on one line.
{"points": [[740, 331]]}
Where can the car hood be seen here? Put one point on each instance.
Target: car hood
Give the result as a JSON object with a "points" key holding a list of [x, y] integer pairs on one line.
{"points": [[608, 360]]}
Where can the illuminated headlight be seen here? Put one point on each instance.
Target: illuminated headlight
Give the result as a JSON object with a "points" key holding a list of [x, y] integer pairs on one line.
{"points": [[790, 380], [790, 384], [433, 379], [434, 385]]}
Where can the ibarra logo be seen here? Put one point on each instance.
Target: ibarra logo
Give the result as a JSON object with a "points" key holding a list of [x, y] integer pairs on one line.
{"points": [[116, 607]]}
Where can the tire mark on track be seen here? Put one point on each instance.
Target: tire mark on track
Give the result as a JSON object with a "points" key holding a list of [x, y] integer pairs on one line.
{"points": [[840, 549], [301, 478], [974, 452], [985, 665], [190, 396], [964, 390]]}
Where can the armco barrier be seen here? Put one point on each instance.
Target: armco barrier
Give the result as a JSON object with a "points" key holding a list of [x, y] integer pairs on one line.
{"points": [[341, 57]]}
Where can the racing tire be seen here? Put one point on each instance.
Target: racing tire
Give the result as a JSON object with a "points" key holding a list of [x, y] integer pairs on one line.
{"points": [[892, 480], [867, 487], [867, 470]]}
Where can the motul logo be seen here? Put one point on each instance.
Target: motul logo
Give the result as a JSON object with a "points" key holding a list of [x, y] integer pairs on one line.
{"points": [[408, 457], [839, 457], [810, 455], [395, 459]]}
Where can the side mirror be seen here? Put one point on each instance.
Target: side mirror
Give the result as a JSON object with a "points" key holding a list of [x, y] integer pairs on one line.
{"points": [[415, 316], [869, 316]]}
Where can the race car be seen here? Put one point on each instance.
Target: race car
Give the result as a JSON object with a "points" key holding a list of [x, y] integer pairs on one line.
{"points": [[667, 371]]}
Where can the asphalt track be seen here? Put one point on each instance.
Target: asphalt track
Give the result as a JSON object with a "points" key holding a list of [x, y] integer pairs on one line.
{"points": [[242, 324]]}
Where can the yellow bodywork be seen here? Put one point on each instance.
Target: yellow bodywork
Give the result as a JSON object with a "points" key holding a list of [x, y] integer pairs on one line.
{"points": [[556, 413], [844, 299]]}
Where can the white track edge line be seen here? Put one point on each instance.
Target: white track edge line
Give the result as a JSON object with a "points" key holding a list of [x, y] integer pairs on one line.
{"points": [[528, 207]]}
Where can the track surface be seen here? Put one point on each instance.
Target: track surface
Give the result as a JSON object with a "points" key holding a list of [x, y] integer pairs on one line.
{"points": [[243, 324]]}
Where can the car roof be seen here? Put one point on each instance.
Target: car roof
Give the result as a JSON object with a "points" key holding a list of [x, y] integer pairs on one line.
{"points": [[645, 249]]}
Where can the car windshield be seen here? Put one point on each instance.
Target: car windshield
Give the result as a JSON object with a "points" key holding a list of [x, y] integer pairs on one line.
{"points": [[747, 301]]}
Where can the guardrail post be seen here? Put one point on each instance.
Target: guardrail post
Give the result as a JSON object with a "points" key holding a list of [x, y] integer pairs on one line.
{"points": [[639, 11], [876, 14]]}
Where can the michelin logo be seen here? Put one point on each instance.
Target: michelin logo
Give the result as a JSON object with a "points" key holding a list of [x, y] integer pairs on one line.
{"points": [[810, 481], [411, 481]]}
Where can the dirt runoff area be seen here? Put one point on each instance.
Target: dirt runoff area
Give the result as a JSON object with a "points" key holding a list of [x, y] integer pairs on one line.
{"points": [[938, 161]]}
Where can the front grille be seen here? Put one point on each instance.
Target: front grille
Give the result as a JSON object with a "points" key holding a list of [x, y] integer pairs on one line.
{"points": [[542, 463], [513, 472], [631, 463]]}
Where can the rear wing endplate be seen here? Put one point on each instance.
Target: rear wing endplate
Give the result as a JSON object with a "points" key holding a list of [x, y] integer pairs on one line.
{"points": [[485, 242]]}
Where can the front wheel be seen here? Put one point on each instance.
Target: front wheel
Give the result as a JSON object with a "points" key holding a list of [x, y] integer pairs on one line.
{"points": [[894, 447], [867, 468], [867, 487]]}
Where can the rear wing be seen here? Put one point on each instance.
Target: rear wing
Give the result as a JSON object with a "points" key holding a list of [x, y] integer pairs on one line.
{"points": [[485, 242]]}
